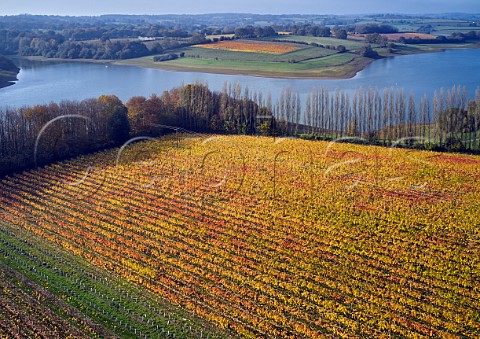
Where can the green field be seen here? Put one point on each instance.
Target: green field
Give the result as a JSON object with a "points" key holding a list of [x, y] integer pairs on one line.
{"points": [[6, 77], [219, 36], [447, 30], [439, 26], [306, 52], [316, 57], [351, 45], [336, 65], [305, 62]]}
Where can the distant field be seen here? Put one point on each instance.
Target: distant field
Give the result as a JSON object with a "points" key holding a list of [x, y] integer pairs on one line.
{"points": [[250, 46], [262, 58], [218, 36], [349, 44], [396, 36], [447, 30], [286, 56], [336, 65], [438, 26], [438, 47], [306, 52], [332, 60]]}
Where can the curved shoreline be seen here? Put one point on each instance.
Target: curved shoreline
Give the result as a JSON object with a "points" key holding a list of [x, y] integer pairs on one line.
{"points": [[8, 78], [353, 66], [342, 71], [4, 84]]}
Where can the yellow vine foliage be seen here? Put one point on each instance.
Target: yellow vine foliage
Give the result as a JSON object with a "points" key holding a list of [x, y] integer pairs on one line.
{"points": [[274, 237]]}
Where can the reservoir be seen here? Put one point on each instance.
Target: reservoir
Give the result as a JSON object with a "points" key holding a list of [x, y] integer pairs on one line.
{"points": [[42, 82]]}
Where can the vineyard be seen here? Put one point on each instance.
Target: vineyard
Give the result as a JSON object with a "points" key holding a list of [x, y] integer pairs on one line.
{"points": [[48, 293], [252, 47], [263, 237]]}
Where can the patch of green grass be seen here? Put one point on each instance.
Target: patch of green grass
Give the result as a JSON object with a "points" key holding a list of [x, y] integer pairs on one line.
{"points": [[447, 30], [351, 45], [303, 53], [411, 49], [319, 67], [6, 74], [6, 77], [219, 36], [405, 49]]}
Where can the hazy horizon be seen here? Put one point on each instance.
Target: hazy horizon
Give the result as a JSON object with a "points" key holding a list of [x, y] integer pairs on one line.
{"points": [[93, 8]]}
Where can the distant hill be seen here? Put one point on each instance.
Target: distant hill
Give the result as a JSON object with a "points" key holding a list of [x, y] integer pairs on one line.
{"points": [[8, 71]]}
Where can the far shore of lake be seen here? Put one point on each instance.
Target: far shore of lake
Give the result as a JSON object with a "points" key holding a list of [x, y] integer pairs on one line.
{"points": [[45, 80], [343, 70]]}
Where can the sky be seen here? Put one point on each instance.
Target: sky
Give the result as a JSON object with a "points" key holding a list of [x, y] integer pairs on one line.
{"points": [[98, 7]]}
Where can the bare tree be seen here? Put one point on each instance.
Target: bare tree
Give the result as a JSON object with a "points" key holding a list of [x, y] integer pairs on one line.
{"points": [[369, 105], [316, 108], [298, 111], [336, 111], [378, 116], [386, 117], [392, 114], [411, 115], [477, 118], [353, 125], [344, 112], [307, 118], [442, 122], [324, 106], [400, 107], [421, 117], [463, 109]]}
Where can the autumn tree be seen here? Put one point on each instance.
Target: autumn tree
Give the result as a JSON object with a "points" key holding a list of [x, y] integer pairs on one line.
{"points": [[136, 114], [114, 115]]}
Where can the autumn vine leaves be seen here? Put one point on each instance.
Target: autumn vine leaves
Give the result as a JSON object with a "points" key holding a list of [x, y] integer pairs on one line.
{"points": [[284, 238]]}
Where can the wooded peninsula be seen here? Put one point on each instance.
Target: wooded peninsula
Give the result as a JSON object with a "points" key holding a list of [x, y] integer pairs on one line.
{"points": [[287, 46]]}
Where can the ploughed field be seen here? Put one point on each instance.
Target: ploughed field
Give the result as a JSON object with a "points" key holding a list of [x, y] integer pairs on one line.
{"points": [[270, 237]]}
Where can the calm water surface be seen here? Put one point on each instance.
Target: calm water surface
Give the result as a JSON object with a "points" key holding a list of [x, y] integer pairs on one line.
{"points": [[43, 82]]}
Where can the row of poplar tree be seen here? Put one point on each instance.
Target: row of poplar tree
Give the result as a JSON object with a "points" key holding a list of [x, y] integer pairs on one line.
{"points": [[41, 134]]}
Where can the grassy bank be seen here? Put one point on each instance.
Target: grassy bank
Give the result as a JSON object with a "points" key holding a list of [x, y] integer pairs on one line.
{"points": [[239, 57], [315, 57], [8, 72], [7, 78], [308, 62], [332, 66]]}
